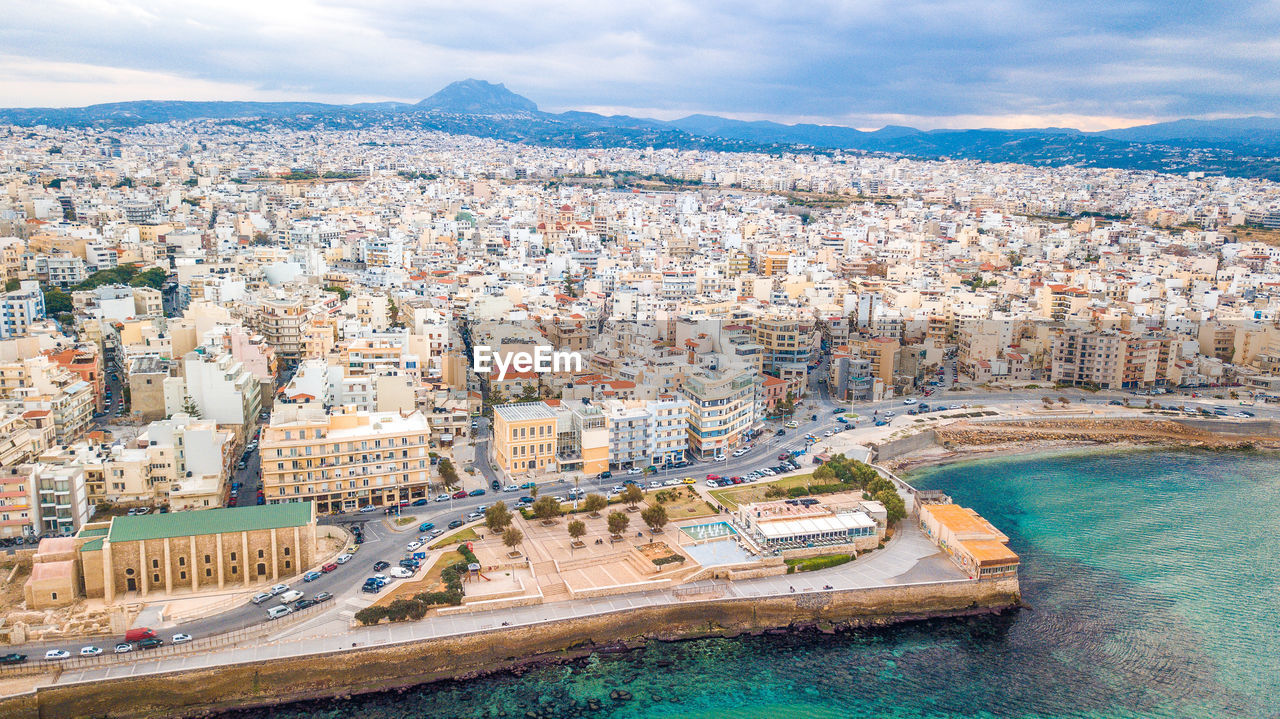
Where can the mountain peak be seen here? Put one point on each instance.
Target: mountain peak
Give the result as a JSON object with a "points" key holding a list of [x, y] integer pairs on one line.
{"points": [[478, 97]]}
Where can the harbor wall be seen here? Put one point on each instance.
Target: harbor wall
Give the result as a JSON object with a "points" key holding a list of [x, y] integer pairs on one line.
{"points": [[364, 669]]}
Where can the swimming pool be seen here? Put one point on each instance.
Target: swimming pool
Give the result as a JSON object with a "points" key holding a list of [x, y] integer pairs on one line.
{"points": [[709, 531]]}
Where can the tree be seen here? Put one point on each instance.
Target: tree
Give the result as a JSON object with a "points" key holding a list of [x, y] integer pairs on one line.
{"points": [[533, 491], [546, 509], [190, 408], [577, 530], [618, 522], [340, 291], [632, 495], [594, 503], [512, 538], [895, 507], [56, 302], [528, 393], [497, 517], [448, 474], [655, 517], [153, 278], [824, 473]]}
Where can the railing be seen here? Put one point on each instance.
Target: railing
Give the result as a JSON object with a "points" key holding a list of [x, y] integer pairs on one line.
{"points": [[251, 629]]}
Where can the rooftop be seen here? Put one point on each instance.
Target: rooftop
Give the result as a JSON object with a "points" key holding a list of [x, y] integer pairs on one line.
{"points": [[210, 521]]}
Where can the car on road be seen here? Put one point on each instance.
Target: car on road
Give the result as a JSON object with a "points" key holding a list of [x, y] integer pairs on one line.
{"points": [[329, 567], [456, 523], [635, 470], [792, 424], [495, 485], [435, 533], [56, 654], [654, 484], [342, 559], [673, 482], [426, 526], [839, 410], [474, 516], [90, 651], [381, 579], [525, 500], [181, 638], [303, 604], [780, 433], [260, 597], [476, 493], [13, 658], [366, 509], [442, 498], [739, 452], [460, 494], [511, 488], [420, 502], [528, 485], [311, 576], [290, 596], [323, 597], [124, 648], [277, 612], [380, 565], [910, 400], [278, 589], [401, 573], [828, 433], [150, 643], [241, 464]]}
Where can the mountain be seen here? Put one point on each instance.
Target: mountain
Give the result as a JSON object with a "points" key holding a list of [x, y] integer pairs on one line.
{"points": [[1244, 147], [477, 97]]}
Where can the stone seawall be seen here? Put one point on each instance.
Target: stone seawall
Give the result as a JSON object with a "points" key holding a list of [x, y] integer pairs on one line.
{"points": [[201, 691]]}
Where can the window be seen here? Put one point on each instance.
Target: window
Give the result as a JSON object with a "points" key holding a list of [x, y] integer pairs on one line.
{"points": [[182, 561], [209, 572], [155, 564], [233, 556], [286, 551], [155, 577], [207, 558], [182, 575], [261, 554], [128, 572]]}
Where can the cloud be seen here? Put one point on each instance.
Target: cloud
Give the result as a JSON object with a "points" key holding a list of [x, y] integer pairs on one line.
{"points": [[932, 64]]}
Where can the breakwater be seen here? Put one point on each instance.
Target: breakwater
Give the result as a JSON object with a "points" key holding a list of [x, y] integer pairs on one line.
{"points": [[365, 669]]}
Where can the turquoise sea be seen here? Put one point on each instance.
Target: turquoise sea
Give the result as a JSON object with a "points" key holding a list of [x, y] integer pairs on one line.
{"points": [[1153, 579]]}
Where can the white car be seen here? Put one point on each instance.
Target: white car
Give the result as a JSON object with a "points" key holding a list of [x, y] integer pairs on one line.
{"points": [[124, 648], [278, 589], [739, 452], [381, 578], [672, 482], [828, 433], [909, 400], [511, 488], [721, 458], [56, 654], [343, 558], [367, 508], [181, 638], [401, 573], [635, 470], [654, 484], [90, 651], [441, 498], [412, 546]]}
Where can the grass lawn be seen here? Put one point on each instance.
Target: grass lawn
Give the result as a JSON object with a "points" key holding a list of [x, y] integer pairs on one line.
{"points": [[822, 561], [731, 497], [689, 504], [429, 582], [401, 521], [464, 535]]}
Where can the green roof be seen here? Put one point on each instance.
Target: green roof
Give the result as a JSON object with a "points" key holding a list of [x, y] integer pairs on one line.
{"points": [[210, 521], [94, 545], [95, 532]]}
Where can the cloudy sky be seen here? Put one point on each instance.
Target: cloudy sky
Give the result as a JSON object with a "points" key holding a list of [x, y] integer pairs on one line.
{"points": [[865, 63]]}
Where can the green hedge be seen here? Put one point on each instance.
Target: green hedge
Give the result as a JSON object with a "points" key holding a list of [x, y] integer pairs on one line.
{"points": [[416, 608], [823, 561], [671, 559]]}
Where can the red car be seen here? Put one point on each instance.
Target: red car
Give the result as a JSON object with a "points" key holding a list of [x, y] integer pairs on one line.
{"points": [[460, 494], [328, 567], [713, 477]]}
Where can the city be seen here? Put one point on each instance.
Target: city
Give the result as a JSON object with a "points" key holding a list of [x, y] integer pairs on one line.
{"points": [[315, 404]]}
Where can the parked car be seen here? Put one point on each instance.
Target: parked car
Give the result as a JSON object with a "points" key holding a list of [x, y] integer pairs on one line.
{"points": [[124, 648], [910, 400], [367, 508], [426, 526], [456, 523], [401, 573], [138, 634], [260, 597], [342, 559], [303, 604], [442, 498], [606, 474], [329, 567], [90, 651], [420, 502], [151, 643], [278, 589], [635, 470], [380, 565], [290, 596], [181, 638], [476, 493], [460, 494], [311, 576], [56, 654], [323, 597], [280, 611], [511, 488]]}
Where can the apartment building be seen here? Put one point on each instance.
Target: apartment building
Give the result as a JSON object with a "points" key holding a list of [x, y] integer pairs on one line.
{"points": [[722, 407], [787, 348], [20, 308], [882, 354], [1113, 359], [524, 437], [17, 514], [222, 388], [345, 460]]}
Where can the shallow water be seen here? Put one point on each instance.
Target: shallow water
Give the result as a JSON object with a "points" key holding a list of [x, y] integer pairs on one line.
{"points": [[1153, 580]]}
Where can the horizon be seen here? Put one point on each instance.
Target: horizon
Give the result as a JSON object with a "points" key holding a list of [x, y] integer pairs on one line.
{"points": [[954, 65]]}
